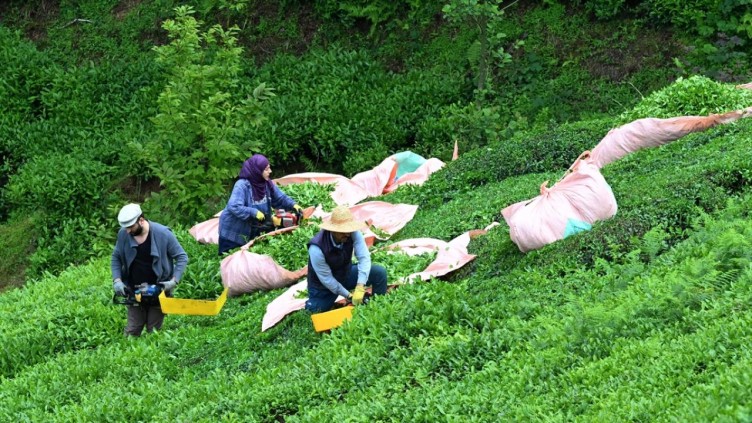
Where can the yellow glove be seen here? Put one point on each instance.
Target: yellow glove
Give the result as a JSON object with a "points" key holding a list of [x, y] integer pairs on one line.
{"points": [[259, 215], [297, 208], [276, 221], [357, 295]]}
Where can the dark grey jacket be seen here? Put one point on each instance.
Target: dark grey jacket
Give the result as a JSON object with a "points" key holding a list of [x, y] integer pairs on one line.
{"points": [[168, 257]]}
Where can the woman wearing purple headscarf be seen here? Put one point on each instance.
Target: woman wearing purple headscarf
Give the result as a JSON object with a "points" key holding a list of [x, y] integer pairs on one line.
{"points": [[253, 200]]}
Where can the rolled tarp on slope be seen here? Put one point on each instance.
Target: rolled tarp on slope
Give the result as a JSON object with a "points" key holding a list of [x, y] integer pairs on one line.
{"points": [[653, 132], [583, 196]]}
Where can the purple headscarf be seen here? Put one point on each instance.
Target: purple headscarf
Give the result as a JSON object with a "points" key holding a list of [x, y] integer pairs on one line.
{"points": [[253, 170]]}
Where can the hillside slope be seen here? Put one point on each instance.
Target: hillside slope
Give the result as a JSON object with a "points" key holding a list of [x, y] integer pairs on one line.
{"points": [[647, 317]]}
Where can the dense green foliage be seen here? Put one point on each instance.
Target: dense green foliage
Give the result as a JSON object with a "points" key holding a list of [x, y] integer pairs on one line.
{"points": [[646, 317]]}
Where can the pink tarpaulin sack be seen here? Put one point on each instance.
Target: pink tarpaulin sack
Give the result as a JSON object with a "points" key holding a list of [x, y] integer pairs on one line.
{"points": [[418, 177], [345, 190], [375, 180], [652, 132], [572, 205], [244, 272], [207, 232]]}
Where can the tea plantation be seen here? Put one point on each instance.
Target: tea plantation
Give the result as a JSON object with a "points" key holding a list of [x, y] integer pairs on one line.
{"points": [[647, 317]]}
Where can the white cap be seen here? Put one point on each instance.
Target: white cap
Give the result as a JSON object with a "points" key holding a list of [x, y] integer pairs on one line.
{"points": [[129, 214]]}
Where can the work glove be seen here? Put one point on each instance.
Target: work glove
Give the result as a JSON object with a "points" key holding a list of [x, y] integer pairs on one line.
{"points": [[168, 285], [298, 209], [357, 295], [260, 216], [276, 221], [119, 288]]}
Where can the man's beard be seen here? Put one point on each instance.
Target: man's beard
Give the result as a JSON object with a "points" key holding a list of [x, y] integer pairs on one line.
{"points": [[138, 231]]}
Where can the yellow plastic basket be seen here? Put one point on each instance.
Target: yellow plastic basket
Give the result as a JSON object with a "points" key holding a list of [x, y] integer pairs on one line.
{"points": [[192, 307], [331, 319]]}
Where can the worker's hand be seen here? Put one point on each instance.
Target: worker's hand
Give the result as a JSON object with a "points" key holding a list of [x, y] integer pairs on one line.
{"points": [[357, 294], [168, 285], [297, 208], [260, 216], [119, 287], [276, 221]]}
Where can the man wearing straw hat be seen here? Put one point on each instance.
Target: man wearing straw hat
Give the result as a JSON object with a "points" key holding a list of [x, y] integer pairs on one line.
{"points": [[331, 271]]}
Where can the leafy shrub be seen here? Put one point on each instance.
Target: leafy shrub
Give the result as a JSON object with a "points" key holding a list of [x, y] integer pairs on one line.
{"points": [[536, 151], [202, 279], [67, 242], [61, 186], [694, 96], [311, 194], [470, 126], [341, 111], [206, 117]]}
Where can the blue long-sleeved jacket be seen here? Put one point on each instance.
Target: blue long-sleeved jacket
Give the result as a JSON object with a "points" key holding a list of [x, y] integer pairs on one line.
{"points": [[235, 220]]}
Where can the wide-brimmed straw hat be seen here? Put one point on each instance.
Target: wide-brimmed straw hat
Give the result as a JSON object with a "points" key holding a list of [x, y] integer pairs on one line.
{"points": [[342, 221]]}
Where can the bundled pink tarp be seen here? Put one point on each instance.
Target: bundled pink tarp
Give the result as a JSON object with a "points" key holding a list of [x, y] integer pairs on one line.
{"points": [[652, 132], [450, 256], [244, 272], [207, 232], [572, 205], [388, 218]]}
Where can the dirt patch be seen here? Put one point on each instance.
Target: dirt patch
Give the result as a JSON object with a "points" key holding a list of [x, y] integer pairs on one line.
{"points": [[646, 50], [32, 17], [136, 190], [284, 39], [123, 8]]}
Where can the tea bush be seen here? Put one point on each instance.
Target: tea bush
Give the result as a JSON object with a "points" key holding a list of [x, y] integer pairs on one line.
{"points": [[542, 150], [349, 112], [694, 96]]}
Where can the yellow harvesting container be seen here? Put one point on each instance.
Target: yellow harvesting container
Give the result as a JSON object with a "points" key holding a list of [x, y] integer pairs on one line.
{"points": [[331, 319], [192, 307]]}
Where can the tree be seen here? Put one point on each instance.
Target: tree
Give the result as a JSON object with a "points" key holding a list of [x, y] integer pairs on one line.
{"points": [[205, 120], [485, 16]]}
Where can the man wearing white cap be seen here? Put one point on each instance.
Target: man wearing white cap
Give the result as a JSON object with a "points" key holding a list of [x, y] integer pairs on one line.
{"points": [[330, 268], [146, 253]]}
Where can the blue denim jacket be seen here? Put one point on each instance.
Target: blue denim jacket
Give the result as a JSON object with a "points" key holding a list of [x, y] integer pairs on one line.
{"points": [[235, 220]]}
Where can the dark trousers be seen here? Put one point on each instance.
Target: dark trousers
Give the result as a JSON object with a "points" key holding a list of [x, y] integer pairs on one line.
{"points": [[226, 245], [323, 299], [140, 316]]}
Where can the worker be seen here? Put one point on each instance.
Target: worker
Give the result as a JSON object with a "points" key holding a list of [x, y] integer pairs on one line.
{"points": [[331, 271], [146, 253], [252, 203]]}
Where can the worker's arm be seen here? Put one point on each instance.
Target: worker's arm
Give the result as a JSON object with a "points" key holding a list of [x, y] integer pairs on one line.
{"points": [[236, 204], [116, 264], [363, 256], [280, 200], [324, 272]]}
